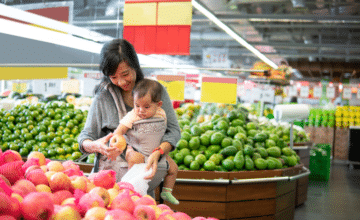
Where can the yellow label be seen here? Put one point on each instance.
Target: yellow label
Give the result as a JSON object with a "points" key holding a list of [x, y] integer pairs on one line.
{"points": [[175, 13], [139, 14], [19, 87], [175, 89], [29, 73], [218, 92], [70, 86]]}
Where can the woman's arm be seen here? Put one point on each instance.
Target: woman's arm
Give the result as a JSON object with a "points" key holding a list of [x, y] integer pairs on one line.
{"points": [[172, 134]]}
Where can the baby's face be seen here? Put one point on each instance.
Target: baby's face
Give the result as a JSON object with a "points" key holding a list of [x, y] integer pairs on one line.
{"points": [[144, 107]]}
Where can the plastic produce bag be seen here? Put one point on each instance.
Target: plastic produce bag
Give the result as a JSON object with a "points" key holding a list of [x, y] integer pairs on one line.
{"points": [[136, 176]]}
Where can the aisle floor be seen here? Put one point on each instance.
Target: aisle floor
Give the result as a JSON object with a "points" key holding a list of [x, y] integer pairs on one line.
{"points": [[337, 199]]}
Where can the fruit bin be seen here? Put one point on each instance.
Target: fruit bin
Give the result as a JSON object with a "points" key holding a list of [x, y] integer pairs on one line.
{"points": [[267, 194]]}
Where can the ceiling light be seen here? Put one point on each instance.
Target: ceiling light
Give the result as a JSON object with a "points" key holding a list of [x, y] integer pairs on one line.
{"points": [[232, 33], [44, 35], [18, 14]]}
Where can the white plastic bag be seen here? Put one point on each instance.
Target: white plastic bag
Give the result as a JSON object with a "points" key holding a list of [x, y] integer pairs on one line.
{"points": [[136, 175]]}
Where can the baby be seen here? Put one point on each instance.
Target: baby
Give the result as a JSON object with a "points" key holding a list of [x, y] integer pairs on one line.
{"points": [[147, 104]]}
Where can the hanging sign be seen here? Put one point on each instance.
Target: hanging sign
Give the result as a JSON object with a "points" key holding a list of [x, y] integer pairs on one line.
{"points": [[174, 84], [158, 26], [317, 92], [30, 73], [70, 86], [219, 89], [304, 91], [216, 57], [330, 92], [46, 87], [292, 91], [19, 87], [347, 93]]}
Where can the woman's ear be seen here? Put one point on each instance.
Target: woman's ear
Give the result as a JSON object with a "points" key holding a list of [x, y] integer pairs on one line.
{"points": [[159, 104]]}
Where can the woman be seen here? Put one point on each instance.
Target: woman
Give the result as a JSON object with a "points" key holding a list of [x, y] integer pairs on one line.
{"points": [[113, 99]]}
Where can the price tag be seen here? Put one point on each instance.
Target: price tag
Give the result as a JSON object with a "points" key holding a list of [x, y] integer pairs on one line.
{"points": [[70, 86], [46, 87], [317, 92], [174, 84], [304, 91], [292, 91], [330, 92], [219, 90], [267, 94], [19, 87], [347, 93]]}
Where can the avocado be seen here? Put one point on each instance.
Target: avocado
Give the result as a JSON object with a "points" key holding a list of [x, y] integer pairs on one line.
{"points": [[249, 163], [260, 163], [229, 151], [274, 151]]}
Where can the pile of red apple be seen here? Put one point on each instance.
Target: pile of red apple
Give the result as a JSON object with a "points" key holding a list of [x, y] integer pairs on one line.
{"points": [[43, 189]]}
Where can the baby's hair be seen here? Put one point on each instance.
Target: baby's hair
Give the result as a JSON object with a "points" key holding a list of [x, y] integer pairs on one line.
{"points": [[146, 86]]}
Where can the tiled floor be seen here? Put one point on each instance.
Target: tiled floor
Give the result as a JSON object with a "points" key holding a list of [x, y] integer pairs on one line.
{"points": [[337, 199]]}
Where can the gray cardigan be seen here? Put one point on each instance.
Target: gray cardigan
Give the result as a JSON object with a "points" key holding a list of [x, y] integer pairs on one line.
{"points": [[108, 108]]}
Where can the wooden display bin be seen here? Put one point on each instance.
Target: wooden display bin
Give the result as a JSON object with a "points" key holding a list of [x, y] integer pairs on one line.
{"points": [[268, 194]]}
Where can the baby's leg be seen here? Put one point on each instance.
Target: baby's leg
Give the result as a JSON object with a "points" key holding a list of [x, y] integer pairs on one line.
{"points": [[169, 182], [133, 157]]}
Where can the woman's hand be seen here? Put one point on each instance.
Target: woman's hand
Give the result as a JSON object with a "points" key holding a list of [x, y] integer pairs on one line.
{"points": [[102, 148], [153, 163]]}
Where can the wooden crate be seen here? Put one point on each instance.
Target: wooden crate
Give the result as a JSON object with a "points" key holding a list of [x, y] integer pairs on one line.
{"points": [[301, 190], [237, 201], [341, 143]]}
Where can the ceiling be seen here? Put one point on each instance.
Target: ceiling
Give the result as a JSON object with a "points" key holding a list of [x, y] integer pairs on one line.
{"points": [[319, 38]]}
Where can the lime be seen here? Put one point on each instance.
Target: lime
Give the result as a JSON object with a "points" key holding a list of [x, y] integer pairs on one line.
{"points": [[182, 144], [45, 153], [75, 147], [188, 159], [61, 157], [194, 143], [205, 139], [35, 147], [68, 157], [227, 141], [24, 151], [200, 158], [186, 135], [185, 151], [182, 167], [216, 138], [209, 165], [202, 148], [51, 152], [179, 157], [60, 151], [195, 152], [14, 146], [196, 130], [194, 165], [208, 154], [76, 155]]}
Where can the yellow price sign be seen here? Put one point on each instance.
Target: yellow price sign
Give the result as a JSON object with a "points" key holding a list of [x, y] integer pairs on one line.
{"points": [[19, 87], [70, 86], [174, 84], [30, 73], [219, 90]]}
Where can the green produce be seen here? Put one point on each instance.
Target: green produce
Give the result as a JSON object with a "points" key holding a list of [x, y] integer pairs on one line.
{"points": [[249, 163], [229, 151], [262, 151], [228, 164], [271, 164], [239, 160], [260, 137], [287, 151], [274, 151], [248, 150], [260, 163], [256, 156]]}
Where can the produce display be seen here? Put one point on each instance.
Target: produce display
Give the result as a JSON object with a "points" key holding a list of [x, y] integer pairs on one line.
{"points": [[223, 138], [347, 116], [321, 118], [44, 189], [50, 128]]}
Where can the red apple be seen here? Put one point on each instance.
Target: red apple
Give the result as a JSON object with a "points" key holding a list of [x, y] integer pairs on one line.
{"points": [[37, 177], [144, 212], [103, 193], [181, 216], [10, 156], [96, 213], [79, 182], [145, 200], [66, 212], [37, 205], [59, 181], [124, 202], [89, 201], [119, 214], [23, 187], [60, 196]]}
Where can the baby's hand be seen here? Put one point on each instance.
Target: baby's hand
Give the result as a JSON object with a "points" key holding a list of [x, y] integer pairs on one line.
{"points": [[133, 157]]}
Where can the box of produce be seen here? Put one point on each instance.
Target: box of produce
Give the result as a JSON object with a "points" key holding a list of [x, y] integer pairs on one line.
{"points": [[225, 140], [50, 128]]}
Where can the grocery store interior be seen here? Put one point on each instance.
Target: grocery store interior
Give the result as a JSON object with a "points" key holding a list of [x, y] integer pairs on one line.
{"points": [[266, 94]]}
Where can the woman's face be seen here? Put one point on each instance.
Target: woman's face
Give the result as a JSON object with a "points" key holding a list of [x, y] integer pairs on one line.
{"points": [[124, 77]]}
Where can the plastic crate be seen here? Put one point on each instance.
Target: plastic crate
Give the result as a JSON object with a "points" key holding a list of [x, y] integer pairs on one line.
{"points": [[320, 162]]}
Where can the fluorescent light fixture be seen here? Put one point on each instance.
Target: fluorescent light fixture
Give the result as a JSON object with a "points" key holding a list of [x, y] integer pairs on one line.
{"points": [[44, 35], [233, 34], [18, 14]]}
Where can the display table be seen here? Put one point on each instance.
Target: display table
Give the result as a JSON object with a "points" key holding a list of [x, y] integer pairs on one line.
{"points": [[268, 194]]}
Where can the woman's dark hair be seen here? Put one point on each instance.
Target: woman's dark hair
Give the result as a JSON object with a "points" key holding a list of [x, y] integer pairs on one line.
{"points": [[146, 86], [112, 54]]}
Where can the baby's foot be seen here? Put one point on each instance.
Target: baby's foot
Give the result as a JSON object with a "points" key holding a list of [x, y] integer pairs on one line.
{"points": [[167, 196]]}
